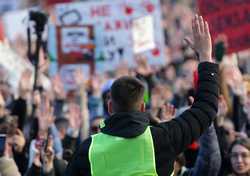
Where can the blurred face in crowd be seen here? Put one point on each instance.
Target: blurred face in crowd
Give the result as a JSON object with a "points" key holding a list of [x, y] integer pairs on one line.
{"points": [[232, 75], [170, 73], [240, 159], [187, 71], [229, 128]]}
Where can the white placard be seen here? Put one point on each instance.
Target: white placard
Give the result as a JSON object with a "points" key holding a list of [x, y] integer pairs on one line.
{"points": [[13, 64], [67, 73], [73, 38], [143, 34]]}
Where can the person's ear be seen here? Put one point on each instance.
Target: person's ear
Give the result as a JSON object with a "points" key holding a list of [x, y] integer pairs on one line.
{"points": [[110, 109], [143, 107]]}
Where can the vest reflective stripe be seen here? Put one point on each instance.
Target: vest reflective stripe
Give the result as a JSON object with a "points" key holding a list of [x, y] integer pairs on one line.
{"points": [[113, 156]]}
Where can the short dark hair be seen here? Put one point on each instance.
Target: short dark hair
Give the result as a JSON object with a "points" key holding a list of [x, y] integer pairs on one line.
{"points": [[127, 94]]}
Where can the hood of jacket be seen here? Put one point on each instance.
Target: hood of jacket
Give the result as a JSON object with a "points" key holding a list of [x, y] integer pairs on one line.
{"points": [[126, 124]]}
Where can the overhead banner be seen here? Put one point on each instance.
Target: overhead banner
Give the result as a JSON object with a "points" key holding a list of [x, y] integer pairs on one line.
{"points": [[231, 18], [113, 29]]}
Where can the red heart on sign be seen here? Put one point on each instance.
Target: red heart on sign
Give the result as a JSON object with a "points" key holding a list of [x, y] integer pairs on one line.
{"points": [[150, 8], [129, 10], [155, 52]]}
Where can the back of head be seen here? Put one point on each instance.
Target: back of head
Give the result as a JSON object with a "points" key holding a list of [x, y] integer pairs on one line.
{"points": [[127, 94]]}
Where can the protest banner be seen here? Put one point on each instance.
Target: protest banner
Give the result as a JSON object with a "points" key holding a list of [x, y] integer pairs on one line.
{"points": [[228, 17], [113, 28]]}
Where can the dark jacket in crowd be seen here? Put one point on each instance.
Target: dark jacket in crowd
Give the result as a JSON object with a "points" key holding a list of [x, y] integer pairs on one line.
{"points": [[169, 138], [58, 169], [208, 162]]}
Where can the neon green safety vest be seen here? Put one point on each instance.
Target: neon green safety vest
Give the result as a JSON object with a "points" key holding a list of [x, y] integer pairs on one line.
{"points": [[117, 156]]}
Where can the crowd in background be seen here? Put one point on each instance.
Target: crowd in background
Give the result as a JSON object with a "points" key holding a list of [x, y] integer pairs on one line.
{"points": [[45, 126]]}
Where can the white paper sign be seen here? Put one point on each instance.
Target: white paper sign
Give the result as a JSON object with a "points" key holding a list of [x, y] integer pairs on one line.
{"points": [[13, 64], [73, 38], [113, 26], [143, 34], [67, 73]]}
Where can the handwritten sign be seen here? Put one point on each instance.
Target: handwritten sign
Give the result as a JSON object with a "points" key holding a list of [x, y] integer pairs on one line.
{"points": [[75, 44], [113, 28]]}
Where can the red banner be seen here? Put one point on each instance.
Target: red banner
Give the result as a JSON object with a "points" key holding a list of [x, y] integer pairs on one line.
{"points": [[228, 17]]}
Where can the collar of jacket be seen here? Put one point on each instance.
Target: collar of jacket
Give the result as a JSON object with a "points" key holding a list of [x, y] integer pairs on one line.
{"points": [[126, 124]]}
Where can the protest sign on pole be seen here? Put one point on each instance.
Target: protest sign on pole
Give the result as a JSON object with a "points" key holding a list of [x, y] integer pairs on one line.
{"points": [[230, 18], [113, 28]]}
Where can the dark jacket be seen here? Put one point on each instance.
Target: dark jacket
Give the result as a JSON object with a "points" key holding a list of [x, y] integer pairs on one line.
{"points": [[58, 169], [169, 138], [208, 162]]}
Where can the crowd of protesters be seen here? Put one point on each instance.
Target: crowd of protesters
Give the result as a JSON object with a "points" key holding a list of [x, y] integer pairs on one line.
{"points": [[45, 126]]}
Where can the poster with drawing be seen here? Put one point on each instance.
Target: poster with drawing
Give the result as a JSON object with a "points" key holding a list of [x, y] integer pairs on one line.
{"points": [[113, 28], [75, 44]]}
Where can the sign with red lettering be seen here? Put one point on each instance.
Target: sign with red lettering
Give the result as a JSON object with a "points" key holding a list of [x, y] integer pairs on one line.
{"points": [[113, 28], [229, 17], [75, 44]]}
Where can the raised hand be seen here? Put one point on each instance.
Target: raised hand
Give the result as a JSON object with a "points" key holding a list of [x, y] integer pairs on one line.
{"points": [[45, 113], [74, 116], [2, 106], [18, 141], [202, 39], [48, 156], [58, 87], [25, 83], [202, 43], [168, 112], [79, 78]]}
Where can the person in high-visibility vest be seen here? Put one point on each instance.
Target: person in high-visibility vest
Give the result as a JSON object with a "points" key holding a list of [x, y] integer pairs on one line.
{"points": [[128, 146]]}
